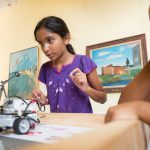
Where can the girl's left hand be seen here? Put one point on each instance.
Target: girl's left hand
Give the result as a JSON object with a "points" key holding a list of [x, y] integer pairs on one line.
{"points": [[79, 78]]}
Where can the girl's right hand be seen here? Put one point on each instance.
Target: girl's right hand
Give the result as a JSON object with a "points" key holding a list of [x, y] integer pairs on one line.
{"points": [[39, 96]]}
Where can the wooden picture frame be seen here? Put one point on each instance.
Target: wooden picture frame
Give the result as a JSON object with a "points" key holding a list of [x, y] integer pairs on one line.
{"points": [[25, 62], [119, 61]]}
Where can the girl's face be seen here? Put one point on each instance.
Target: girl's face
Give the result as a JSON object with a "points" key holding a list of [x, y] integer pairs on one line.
{"points": [[52, 44]]}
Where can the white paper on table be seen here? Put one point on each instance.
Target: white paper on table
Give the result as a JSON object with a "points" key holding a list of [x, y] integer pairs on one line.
{"points": [[49, 133]]}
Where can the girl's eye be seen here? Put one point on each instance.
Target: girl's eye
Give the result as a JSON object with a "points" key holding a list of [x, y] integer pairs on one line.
{"points": [[50, 41]]}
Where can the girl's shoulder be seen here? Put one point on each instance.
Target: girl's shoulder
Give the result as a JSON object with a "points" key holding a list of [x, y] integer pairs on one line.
{"points": [[86, 63]]}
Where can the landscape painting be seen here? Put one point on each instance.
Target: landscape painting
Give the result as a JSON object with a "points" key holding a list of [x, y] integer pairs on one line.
{"points": [[25, 63], [119, 61]]}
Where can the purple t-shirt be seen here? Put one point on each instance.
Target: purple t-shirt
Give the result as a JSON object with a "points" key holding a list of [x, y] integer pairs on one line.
{"points": [[63, 94]]}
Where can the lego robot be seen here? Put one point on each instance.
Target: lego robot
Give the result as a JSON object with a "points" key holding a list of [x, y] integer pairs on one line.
{"points": [[17, 113]]}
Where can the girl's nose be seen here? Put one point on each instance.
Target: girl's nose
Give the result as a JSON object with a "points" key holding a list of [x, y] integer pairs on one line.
{"points": [[46, 48]]}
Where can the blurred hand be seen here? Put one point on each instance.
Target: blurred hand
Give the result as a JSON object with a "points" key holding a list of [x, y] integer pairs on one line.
{"points": [[125, 111], [79, 78]]}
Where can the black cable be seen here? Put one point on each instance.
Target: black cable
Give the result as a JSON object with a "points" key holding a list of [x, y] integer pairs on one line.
{"points": [[24, 112], [20, 98], [39, 104], [38, 121]]}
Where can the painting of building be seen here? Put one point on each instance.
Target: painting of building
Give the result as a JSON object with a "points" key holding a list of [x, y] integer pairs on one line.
{"points": [[136, 55], [113, 70]]}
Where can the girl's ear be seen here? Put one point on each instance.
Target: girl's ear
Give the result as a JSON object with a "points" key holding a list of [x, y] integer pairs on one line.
{"points": [[67, 39]]}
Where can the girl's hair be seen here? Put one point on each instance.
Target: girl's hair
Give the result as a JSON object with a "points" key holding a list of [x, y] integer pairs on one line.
{"points": [[55, 25]]}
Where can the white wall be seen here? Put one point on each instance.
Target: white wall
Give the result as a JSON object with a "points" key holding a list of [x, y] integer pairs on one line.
{"points": [[90, 22]]}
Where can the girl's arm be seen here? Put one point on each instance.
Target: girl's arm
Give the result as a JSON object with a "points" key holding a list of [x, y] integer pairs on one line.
{"points": [[95, 89], [90, 84]]}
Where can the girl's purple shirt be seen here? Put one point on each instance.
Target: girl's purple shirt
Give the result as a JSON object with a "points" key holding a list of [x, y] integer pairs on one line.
{"points": [[63, 95]]}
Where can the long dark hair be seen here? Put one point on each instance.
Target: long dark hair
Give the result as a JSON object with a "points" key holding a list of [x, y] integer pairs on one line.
{"points": [[55, 25]]}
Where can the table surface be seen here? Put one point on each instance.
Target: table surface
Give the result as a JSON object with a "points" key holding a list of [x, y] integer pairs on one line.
{"points": [[82, 120], [73, 119], [113, 136]]}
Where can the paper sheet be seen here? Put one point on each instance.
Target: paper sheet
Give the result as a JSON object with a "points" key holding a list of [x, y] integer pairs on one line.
{"points": [[48, 133]]}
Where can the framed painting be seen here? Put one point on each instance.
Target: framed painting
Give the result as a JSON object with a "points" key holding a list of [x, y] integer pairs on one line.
{"points": [[119, 61], [24, 65]]}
